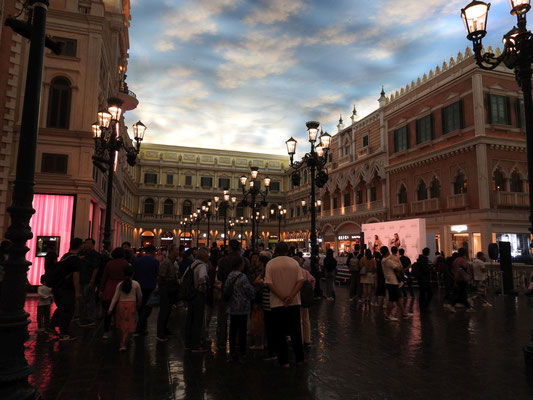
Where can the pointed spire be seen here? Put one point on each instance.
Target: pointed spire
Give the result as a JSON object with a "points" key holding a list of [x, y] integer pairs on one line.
{"points": [[354, 116], [382, 91], [340, 119], [340, 126], [382, 100]]}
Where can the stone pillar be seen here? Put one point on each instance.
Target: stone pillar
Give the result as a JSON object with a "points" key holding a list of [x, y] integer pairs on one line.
{"points": [[479, 104], [482, 166]]}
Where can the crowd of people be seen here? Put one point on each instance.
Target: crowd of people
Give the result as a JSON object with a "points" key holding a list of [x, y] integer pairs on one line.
{"points": [[262, 296]]}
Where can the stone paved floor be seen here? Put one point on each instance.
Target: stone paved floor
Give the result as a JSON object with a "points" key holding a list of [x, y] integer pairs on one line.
{"points": [[355, 355]]}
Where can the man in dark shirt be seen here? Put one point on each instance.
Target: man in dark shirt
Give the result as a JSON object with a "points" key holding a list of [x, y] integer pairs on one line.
{"points": [[66, 289], [146, 270], [129, 256], [423, 276], [89, 264], [406, 266]]}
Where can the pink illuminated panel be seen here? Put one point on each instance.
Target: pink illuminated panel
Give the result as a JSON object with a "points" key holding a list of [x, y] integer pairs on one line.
{"points": [[53, 217]]}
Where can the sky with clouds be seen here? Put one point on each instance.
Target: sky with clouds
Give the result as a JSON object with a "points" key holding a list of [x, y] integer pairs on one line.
{"points": [[246, 75]]}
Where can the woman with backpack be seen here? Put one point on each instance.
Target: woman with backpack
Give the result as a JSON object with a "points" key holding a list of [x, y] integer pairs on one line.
{"points": [[330, 265], [127, 299], [238, 292]]}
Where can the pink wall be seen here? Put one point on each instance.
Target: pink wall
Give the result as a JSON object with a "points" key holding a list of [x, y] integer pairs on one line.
{"points": [[53, 217]]}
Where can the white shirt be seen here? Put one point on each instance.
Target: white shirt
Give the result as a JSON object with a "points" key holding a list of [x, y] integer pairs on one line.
{"points": [[283, 273], [479, 270]]}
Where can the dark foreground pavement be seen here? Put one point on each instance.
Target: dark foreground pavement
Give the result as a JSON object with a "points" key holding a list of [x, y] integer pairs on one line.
{"points": [[355, 355]]}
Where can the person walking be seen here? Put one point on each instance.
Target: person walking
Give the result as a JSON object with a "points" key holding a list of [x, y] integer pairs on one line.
{"points": [[43, 306], [479, 271], [284, 278], [422, 272], [367, 268], [127, 298], [225, 267], [194, 322], [391, 266], [353, 265], [146, 270], [330, 266], [406, 272], [89, 265], [239, 292], [380, 281], [461, 266], [65, 281], [168, 290], [113, 275]]}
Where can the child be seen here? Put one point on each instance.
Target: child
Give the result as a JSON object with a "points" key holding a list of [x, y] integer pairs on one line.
{"points": [[238, 291], [127, 298], [43, 306]]}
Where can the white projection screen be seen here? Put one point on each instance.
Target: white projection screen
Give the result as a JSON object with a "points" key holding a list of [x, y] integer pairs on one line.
{"points": [[411, 232]]}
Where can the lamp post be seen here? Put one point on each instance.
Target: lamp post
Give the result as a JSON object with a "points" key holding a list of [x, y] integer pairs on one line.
{"points": [[107, 143], [206, 211], [14, 369], [315, 161], [279, 214], [253, 192], [517, 55], [223, 207], [241, 221], [197, 217]]}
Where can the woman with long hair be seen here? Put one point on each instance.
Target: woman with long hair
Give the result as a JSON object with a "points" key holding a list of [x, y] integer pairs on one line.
{"points": [[330, 265], [127, 299], [367, 268]]}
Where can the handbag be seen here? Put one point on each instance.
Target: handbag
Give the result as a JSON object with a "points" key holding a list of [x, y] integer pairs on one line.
{"points": [[153, 300]]}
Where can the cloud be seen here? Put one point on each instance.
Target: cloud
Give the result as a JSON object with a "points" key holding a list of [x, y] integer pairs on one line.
{"points": [[272, 11], [195, 18], [261, 54], [407, 12], [164, 45]]}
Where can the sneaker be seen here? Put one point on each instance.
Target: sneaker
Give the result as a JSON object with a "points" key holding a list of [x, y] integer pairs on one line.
{"points": [[470, 310], [390, 318], [487, 305], [161, 339], [66, 338], [105, 335]]}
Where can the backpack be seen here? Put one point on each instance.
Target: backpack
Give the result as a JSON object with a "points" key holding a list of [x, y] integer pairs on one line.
{"points": [[353, 264], [415, 270], [57, 277], [307, 294], [229, 288], [187, 290]]}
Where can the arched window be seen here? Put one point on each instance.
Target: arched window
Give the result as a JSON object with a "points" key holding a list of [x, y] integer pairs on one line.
{"points": [[402, 195], [434, 189], [422, 191], [460, 184], [59, 103], [187, 208], [516, 184], [149, 206], [168, 207], [498, 181]]}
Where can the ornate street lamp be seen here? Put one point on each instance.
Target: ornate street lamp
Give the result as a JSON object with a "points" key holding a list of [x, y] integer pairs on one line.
{"points": [[253, 193], [107, 142], [517, 55], [242, 222], [206, 212], [14, 369], [315, 161], [279, 214], [228, 203]]}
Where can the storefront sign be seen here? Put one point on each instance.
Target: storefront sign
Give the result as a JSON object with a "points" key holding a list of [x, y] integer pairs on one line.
{"points": [[349, 237], [459, 228]]}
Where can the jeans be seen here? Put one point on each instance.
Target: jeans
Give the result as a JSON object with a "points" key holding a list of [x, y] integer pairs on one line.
{"points": [[43, 316], [167, 297], [287, 322], [144, 311], [195, 321], [354, 283], [222, 324], [330, 284], [237, 328], [87, 304], [425, 295], [64, 299]]}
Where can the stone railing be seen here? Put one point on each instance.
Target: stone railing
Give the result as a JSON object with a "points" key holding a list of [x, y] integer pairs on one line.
{"points": [[399, 209], [457, 201], [512, 199], [521, 276], [425, 205]]}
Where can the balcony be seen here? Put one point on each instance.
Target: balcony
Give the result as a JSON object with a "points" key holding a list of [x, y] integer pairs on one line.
{"points": [[399, 209], [363, 152], [129, 99], [423, 206], [512, 199], [457, 201]]}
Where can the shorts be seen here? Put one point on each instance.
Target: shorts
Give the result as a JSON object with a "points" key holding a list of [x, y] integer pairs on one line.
{"points": [[394, 292]]}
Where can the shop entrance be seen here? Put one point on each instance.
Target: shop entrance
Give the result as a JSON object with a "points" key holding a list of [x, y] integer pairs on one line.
{"points": [[460, 240], [147, 239]]}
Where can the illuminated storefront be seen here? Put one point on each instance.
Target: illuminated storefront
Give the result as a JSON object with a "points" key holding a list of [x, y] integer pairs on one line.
{"points": [[52, 223], [147, 238]]}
